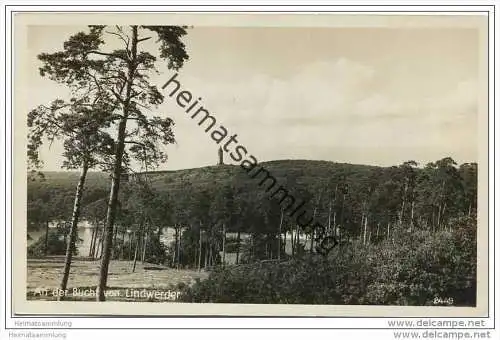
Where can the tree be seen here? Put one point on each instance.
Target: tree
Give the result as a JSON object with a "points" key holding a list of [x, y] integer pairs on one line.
{"points": [[222, 214], [408, 174], [38, 215], [123, 77], [242, 206], [201, 212], [79, 123], [440, 192], [96, 213], [468, 174], [142, 203]]}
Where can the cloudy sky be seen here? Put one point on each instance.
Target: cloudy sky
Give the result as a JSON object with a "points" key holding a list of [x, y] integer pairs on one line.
{"points": [[376, 96]]}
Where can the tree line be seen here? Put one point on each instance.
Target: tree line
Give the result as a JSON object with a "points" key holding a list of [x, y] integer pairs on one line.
{"points": [[357, 204]]}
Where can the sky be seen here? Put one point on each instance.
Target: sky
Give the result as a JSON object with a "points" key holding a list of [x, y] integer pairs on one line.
{"points": [[378, 96]]}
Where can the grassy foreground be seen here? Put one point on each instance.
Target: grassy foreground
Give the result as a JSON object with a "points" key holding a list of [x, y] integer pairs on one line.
{"points": [[148, 282]]}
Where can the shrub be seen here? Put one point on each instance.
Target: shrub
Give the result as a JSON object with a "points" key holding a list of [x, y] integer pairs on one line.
{"points": [[156, 251], [55, 246], [407, 269], [416, 268]]}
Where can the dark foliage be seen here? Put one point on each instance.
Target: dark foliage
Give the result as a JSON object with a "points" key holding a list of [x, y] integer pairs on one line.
{"points": [[55, 246]]}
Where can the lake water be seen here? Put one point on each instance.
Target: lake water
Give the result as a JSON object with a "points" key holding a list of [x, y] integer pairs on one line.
{"points": [[168, 235], [85, 236]]}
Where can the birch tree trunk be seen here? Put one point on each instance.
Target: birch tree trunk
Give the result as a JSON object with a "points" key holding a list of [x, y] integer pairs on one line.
{"points": [[223, 244], [297, 234], [99, 245], [122, 248], [47, 237], [284, 242], [145, 245], [365, 229], [199, 252], [195, 260], [443, 213], [403, 203], [130, 238], [279, 237], [412, 214], [176, 247], [140, 239], [329, 218], [135, 253], [70, 248], [92, 241], [438, 223], [206, 253], [179, 248], [115, 235], [238, 241], [341, 223], [313, 232]]}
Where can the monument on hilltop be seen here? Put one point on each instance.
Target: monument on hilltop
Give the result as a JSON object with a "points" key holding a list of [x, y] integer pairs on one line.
{"points": [[221, 156]]}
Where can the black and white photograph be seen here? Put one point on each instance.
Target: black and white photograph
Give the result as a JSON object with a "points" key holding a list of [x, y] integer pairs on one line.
{"points": [[184, 162]]}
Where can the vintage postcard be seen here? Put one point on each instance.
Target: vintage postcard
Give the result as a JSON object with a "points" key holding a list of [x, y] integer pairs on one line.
{"points": [[238, 164]]}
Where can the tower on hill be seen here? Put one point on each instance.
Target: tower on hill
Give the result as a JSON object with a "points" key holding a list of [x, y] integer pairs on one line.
{"points": [[221, 156]]}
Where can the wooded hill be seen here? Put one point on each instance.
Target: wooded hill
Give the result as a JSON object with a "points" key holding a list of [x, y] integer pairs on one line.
{"points": [[346, 195]]}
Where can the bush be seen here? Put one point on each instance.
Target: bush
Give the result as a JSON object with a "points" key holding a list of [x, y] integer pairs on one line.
{"points": [[408, 269], [156, 251], [55, 246], [415, 269], [309, 280]]}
